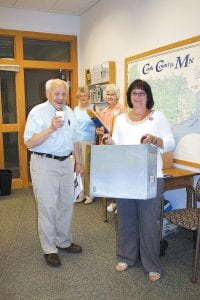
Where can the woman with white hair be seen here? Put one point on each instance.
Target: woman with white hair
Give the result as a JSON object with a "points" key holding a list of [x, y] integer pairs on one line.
{"points": [[109, 114], [113, 108]]}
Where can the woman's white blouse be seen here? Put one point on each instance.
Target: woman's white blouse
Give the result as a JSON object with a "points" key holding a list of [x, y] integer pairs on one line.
{"points": [[127, 132]]}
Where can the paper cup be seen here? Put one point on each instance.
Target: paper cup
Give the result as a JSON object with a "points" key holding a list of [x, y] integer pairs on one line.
{"points": [[60, 113]]}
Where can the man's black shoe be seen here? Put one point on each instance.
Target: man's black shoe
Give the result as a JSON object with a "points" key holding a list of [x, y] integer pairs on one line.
{"points": [[73, 248], [52, 260]]}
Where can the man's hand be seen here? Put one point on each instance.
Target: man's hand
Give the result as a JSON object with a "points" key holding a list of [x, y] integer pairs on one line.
{"points": [[79, 169], [57, 122]]}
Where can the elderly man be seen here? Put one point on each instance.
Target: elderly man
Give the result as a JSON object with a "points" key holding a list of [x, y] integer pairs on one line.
{"points": [[52, 134]]}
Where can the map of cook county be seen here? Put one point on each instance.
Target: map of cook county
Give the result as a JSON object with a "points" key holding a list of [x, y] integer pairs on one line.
{"points": [[174, 76]]}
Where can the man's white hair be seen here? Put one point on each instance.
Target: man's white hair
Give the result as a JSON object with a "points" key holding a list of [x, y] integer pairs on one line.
{"points": [[54, 83]]}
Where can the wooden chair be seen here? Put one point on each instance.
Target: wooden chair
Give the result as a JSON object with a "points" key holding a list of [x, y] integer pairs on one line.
{"points": [[189, 218]]}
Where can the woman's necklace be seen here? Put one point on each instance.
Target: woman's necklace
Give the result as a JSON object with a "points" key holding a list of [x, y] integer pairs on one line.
{"points": [[136, 117]]}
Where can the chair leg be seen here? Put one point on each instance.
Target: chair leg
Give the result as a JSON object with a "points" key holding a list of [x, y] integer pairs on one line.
{"points": [[163, 247], [194, 271], [105, 213], [161, 217], [163, 243]]}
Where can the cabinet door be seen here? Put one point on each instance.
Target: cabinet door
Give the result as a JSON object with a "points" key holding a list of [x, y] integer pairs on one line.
{"points": [[97, 78]]}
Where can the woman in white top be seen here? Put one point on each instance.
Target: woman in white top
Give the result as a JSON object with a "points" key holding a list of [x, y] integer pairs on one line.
{"points": [[138, 219]]}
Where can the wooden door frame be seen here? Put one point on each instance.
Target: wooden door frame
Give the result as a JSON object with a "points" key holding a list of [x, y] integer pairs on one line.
{"points": [[71, 66]]}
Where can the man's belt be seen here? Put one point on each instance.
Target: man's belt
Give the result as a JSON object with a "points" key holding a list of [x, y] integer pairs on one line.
{"points": [[60, 158]]}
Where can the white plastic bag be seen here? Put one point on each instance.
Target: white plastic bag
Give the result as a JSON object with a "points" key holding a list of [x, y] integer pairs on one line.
{"points": [[78, 185]]}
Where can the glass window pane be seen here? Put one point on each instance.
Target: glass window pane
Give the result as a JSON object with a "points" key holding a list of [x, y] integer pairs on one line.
{"points": [[46, 50], [11, 153], [6, 47], [8, 96], [35, 85]]}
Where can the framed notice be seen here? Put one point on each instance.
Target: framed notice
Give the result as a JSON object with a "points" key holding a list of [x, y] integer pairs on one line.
{"points": [[173, 71]]}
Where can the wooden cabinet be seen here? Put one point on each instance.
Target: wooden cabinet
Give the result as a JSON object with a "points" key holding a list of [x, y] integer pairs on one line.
{"points": [[97, 78]]}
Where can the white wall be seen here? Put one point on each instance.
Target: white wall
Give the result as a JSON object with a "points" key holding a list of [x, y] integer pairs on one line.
{"points": [[28, 20], [19, 19], [116, 29]]}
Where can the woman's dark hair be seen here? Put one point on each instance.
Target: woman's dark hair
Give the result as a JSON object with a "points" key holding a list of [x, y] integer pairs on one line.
{"points": [[142, 85]]}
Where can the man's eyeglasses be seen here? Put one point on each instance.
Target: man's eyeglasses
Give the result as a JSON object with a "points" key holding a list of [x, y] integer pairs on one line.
{"points": [[140, 94]]}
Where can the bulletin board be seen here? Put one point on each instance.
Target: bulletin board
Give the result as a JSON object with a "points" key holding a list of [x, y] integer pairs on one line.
{"points": [[173, 72]]}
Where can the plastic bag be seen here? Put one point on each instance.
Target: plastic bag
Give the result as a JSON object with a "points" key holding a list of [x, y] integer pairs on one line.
{"points": [[78, 185]]}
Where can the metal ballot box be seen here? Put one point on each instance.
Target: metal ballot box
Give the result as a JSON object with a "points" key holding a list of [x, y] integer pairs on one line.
{"points": [[123, 171]]}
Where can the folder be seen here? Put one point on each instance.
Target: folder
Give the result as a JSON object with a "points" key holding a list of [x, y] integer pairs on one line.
{"points": [[98, 122]]}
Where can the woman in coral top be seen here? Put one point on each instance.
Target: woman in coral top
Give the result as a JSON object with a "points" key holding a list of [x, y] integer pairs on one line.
{"points": [[113, 108], [108, 115]]}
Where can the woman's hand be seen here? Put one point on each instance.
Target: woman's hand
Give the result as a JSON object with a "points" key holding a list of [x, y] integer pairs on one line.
{"points": [[147, 139], [100, 131], [151, 139], [107, 139]]}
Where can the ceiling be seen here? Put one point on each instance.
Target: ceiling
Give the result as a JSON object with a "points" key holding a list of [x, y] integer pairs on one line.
{"points": [[70, 7]]}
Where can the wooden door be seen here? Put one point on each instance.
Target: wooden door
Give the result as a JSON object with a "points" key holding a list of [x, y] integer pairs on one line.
{"points": [[24, 68]]}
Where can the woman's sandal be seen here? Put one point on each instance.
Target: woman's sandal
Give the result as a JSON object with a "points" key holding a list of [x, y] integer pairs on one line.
{"points": [[153, 276], [121, 267]]}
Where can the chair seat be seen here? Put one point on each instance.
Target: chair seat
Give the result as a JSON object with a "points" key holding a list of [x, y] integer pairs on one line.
{"points": [[186, 217]]}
